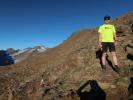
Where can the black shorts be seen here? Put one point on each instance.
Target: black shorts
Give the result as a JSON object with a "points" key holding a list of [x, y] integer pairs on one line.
{"points": [[108, 46]]}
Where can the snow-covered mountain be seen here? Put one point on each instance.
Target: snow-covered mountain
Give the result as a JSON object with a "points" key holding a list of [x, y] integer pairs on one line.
{"points": [[20, 55]]}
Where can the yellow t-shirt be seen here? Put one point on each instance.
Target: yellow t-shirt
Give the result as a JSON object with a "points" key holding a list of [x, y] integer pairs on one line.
{"points": [[107, 32]]}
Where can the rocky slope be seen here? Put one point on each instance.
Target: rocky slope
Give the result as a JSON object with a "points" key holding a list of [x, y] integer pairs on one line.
{"points": [[60, 73]]}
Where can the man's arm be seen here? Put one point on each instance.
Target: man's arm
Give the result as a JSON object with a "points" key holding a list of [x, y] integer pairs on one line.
{"points": [[100, 37], [100, 40], [115, 38], [114, 34]]}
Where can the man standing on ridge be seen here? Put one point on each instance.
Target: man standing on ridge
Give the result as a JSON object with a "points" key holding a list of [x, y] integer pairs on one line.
{"points": [[107, 39]]}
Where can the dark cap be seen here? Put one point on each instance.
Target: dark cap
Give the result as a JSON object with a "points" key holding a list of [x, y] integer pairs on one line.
{"points": [[106, 17]]}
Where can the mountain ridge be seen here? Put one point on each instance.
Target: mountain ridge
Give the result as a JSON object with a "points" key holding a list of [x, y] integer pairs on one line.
{"points": [[63, 69]]}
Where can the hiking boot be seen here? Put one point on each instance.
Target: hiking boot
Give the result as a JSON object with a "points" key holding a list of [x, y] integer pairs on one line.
{"points": [[104, 68], [116, 69]]}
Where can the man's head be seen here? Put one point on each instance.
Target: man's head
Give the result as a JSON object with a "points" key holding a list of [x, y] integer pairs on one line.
{"points": [[107, 19]]}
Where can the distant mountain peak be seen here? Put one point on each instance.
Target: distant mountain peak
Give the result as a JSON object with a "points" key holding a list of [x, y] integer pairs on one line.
{"points": [[20, 55]]}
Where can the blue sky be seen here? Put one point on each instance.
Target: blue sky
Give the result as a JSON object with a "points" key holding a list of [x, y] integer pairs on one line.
{"points": [[27, 23]]}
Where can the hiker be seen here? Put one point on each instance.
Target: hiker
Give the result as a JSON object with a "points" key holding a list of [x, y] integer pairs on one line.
{"points": [[107, 40]]}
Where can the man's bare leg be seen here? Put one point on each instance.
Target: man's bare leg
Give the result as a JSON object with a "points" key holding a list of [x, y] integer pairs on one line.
{"points": [[104, 61], [114, 58], [115, 61]]}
